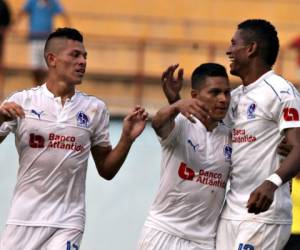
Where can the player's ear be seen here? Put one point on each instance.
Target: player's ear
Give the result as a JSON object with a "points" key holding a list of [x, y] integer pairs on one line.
{"points": [[50, 59], [252, 48], [194, 93]]}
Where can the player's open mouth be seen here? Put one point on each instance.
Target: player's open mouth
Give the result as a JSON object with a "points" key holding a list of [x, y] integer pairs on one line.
{"points": [[80, 71]]}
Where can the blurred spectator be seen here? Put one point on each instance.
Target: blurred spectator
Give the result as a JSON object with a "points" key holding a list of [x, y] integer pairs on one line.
{"points": [[41, 15], [4, 23], [294, 241]]}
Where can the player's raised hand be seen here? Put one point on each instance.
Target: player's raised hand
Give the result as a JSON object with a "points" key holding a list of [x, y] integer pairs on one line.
{"points": [[261, 198], [193, 108], [134, 123], [10, 111], [171, 85]]}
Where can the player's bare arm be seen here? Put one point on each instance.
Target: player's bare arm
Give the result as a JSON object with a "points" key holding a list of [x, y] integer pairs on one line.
{"points": [[163, 121], [171, 85], [283, 148], [261, 198], [108, 161]]}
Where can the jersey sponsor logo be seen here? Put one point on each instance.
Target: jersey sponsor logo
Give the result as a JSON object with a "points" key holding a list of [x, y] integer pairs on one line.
{"points": [[290, 114], [36, 141], [64, 142], [82, 119], [227, 150], [204, 177], [241, 136], [185, 172], [194, 146], [251, 111], [38, 114], [55, 141]]}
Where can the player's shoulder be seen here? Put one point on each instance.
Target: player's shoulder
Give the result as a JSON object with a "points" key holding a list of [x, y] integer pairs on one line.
{"points": [[90, 99], [235, 92], [23, 94], [279, 87]]}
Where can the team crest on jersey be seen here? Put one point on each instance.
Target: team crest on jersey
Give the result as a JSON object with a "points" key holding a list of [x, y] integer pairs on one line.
{"points": [[227, 150], [251, 111], [82, 119]]}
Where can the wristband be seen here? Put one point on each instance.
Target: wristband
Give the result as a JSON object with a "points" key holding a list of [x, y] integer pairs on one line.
{"points": [[275, 178]]}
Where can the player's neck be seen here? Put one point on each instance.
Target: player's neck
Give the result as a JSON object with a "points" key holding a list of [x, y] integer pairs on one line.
{"points": [[61, 89], [210, 124], [253, 73]]}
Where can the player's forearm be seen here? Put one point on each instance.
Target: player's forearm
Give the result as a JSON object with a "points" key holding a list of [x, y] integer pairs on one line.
{"points": [[173, 99], [163, 121], [115, 159], [290, 167]]}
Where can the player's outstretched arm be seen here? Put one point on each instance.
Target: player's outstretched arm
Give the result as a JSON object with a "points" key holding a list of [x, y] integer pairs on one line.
{"points": [[108, 161], [262, 197], [163, 121], [171, 85]]}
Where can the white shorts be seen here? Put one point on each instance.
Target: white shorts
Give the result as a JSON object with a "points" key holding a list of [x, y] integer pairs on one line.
{"points": [[249, 235], [40, 238], [37, 54], [152, 239]]}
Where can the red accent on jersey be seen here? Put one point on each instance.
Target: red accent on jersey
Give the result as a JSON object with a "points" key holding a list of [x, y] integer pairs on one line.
{"points": [[185, 173], [290, 114], [36, 141]]}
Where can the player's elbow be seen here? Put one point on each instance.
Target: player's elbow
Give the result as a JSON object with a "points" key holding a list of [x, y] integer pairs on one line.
{"points": [[107, 175]]}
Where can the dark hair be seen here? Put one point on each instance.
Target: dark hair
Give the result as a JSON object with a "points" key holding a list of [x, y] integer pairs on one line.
{"points": [[68, 33], [5, 14], [205, 70], [265, 34]]}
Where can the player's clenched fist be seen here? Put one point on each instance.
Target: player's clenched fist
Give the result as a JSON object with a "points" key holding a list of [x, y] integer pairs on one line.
{"points": [[10, 111]]}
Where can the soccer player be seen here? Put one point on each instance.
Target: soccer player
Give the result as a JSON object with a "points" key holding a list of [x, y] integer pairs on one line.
{"points": [[55, 128], [195, 165], [264, 109], [257, 211]]}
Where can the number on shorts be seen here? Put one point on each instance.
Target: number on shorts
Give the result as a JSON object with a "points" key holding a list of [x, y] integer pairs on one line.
{"points": [[243, 246], [72, 246]]}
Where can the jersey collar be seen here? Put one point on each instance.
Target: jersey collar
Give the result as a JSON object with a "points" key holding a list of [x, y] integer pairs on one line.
{"points": [[256, 83]]}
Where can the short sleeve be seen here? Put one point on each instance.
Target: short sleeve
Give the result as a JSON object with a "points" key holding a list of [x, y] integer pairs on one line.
{"points": [[100, 134], [289, 114], [173, 136], [10, 126]]}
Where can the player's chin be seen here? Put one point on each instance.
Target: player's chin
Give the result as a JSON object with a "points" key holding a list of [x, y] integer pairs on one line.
{"points": [[219, 115], [77, 81], [233, 70]]}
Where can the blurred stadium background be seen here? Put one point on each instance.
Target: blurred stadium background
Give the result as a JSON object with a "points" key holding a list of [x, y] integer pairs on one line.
{"points": [[130, 43]]}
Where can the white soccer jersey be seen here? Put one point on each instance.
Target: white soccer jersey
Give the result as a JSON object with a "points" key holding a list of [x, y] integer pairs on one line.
{"points": [[258, 115], [53, 143], [194, 172]]}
